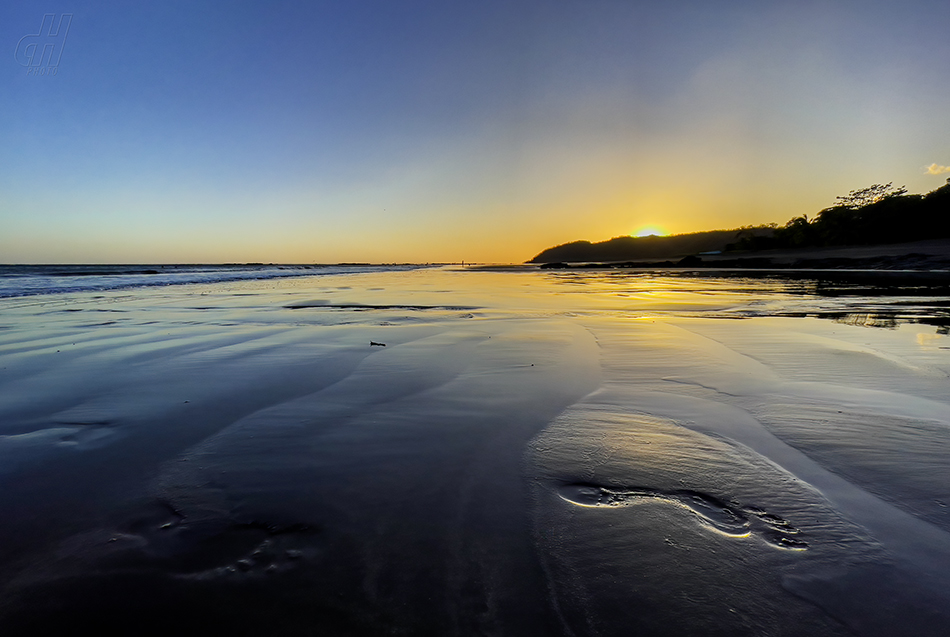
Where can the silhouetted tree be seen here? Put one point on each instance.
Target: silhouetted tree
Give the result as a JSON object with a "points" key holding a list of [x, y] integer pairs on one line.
{"points": [[797, 232], [877, 214], [835, 225], [870, 195]]}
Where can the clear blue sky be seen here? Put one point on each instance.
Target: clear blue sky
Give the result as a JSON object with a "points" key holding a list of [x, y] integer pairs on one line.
{"points": [[401, 130]]}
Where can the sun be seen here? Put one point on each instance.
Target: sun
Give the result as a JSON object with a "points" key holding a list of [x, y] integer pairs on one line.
{"points": [[647, 231]]}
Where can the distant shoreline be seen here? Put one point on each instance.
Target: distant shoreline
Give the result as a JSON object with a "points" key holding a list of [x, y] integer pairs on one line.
{"points": [[930, 257], [864, 225]]}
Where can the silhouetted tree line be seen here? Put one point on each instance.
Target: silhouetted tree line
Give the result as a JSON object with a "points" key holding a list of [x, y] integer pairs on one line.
{"points": [[877, 214]]}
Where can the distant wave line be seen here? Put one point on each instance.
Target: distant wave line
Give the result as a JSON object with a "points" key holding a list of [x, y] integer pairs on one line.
{"points": [[34, 280]]}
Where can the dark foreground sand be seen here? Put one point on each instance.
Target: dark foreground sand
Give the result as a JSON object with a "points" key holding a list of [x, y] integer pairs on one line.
{"points": [[529, 454]]}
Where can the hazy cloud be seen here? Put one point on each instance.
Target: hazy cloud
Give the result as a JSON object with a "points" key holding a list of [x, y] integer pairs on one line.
{"points": [[937, 169]]}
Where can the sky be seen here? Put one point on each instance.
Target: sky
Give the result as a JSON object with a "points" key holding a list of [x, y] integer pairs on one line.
{"points": [[449, 130]]}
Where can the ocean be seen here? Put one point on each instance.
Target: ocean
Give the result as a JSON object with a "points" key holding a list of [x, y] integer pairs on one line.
{"points": [[29, 280]]}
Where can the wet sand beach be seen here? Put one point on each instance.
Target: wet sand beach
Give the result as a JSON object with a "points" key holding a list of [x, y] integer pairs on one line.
{"points": [[462, 452]]}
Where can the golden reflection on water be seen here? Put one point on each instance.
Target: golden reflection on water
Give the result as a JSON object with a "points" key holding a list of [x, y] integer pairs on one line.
{"points": [[636, 294], [859, 304], [526, 291]]}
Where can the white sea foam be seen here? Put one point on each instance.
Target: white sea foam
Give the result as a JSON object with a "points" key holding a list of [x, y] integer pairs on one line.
{"points": [[30, 280]]}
